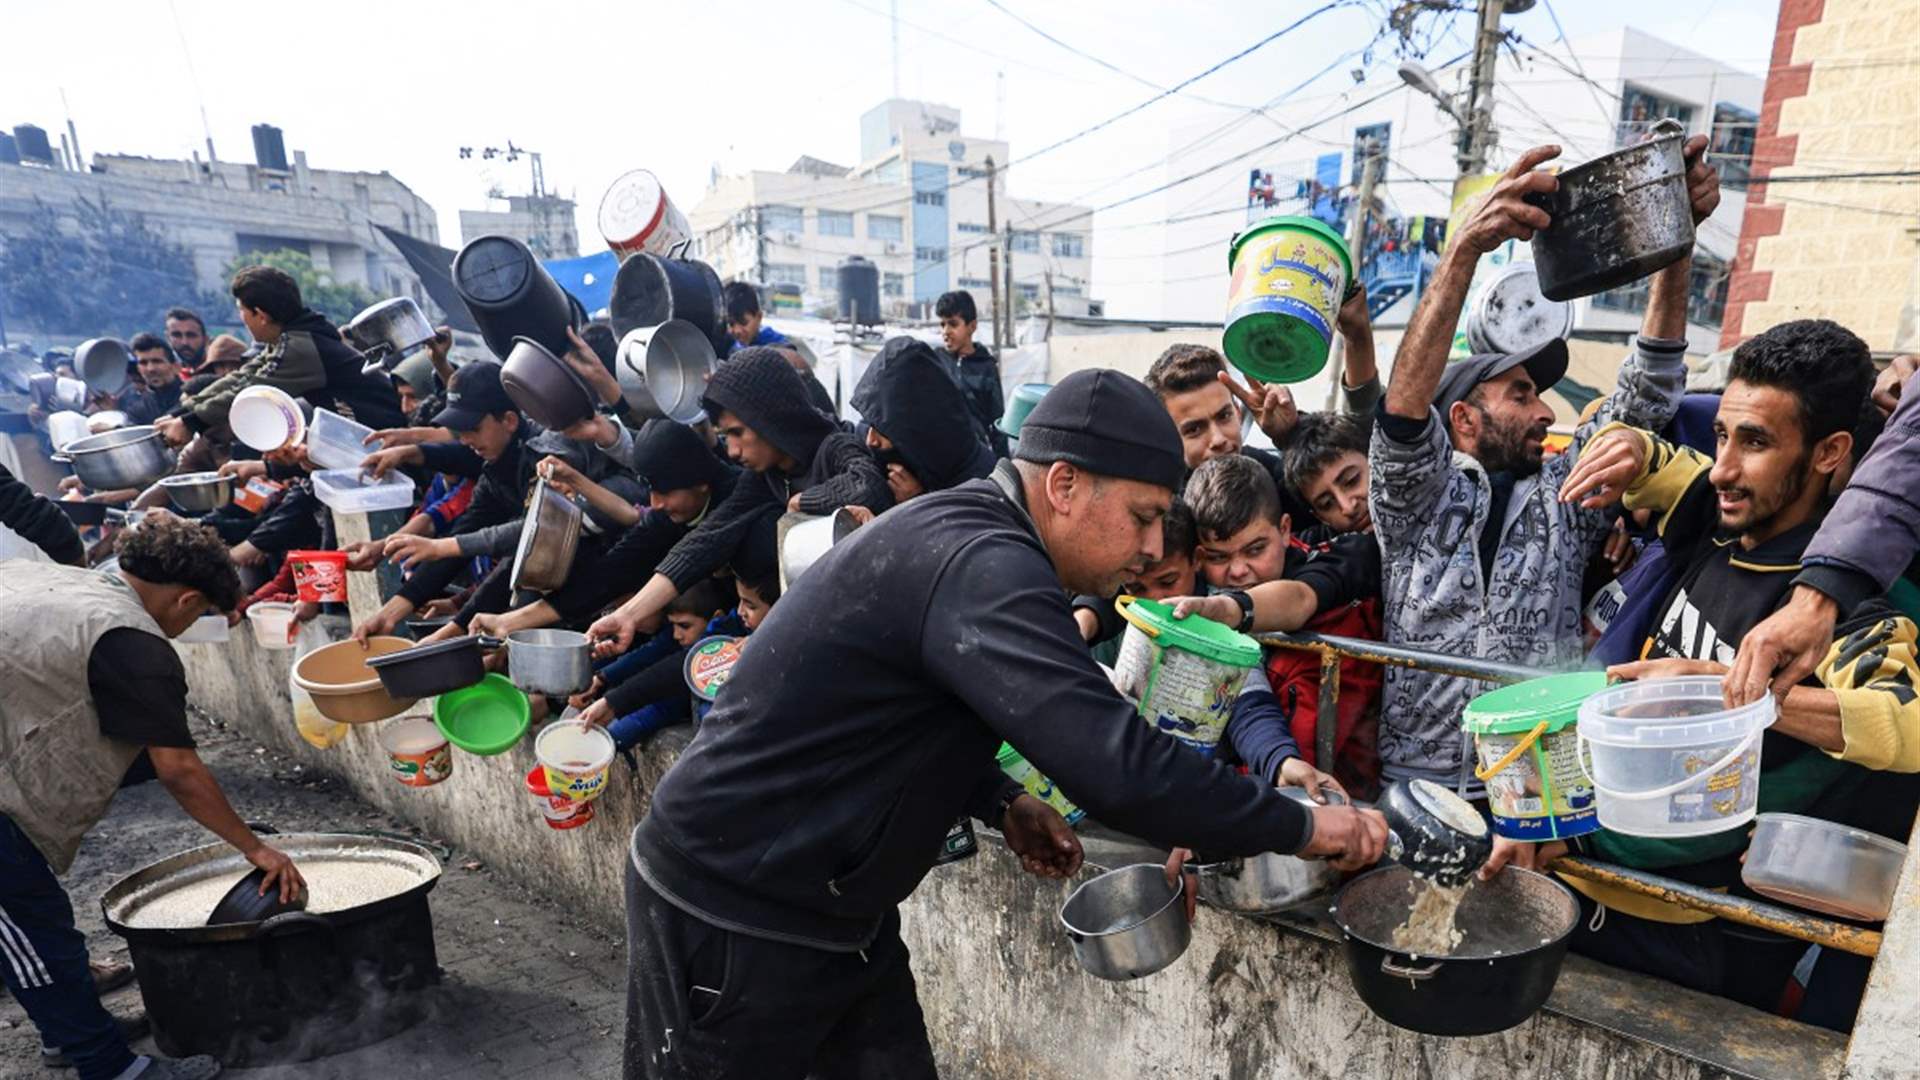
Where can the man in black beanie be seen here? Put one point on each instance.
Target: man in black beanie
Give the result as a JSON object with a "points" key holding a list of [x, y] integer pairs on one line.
{"points": [[762, 929], [917, 421], [802, 460]]}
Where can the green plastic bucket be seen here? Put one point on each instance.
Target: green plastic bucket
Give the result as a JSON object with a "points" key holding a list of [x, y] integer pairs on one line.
{"points": [[1289, 275], [1025, 397], [486, 718], [1527, 752], [1020, 769], [1183, 674]]}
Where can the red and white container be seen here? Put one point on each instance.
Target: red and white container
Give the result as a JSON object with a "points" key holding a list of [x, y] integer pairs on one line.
{"points": [[320, 577], [559, 811], [636, 215]]}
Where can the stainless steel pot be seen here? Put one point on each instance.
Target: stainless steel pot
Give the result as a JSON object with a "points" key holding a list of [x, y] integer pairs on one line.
{"points": [[1127, 923], [1616, 218], [1268, 883], [131, 457], [556, 663], [544, 387], [803, 538], [1508, 314], [663, 370], [389, 331], [103, 363], [548, 538], [198, 493]]}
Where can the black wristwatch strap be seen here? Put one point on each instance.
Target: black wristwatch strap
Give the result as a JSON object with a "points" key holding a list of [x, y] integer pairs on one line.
{"points": [[1241, 597], [1006, 801]]}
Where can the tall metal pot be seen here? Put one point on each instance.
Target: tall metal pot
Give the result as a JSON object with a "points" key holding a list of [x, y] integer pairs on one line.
{"points": [[1616, 218]]}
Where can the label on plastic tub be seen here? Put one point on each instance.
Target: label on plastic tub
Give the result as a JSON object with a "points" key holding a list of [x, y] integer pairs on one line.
{"points": [[710, 663]]}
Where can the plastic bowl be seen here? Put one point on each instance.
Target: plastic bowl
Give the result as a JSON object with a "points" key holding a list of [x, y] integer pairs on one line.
{"points": [[486, 718], [272, 623], [266, 418], [343, 687], [1823, 866]]}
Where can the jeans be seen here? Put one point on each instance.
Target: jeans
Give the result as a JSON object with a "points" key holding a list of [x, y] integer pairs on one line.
{"points": [[710, 1004], [43, 960]]}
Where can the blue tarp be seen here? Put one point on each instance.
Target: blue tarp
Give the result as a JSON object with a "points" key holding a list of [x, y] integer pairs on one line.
{"points": [[589, 278]]}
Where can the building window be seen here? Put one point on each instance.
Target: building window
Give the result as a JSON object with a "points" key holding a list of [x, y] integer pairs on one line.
{"points": [[1730, 148], [929, 254], [970, 227], [930, 198], [1068, 290], [893, 284], [828, 280], [884, 227], [1069, 245], [784, 274], [1640, 110], [834, 222], [975, 283], [776, 219], [1028, 242], [1706, 292]]}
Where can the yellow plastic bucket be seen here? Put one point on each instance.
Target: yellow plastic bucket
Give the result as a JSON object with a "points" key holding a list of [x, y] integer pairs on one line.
{"points": [[576, 756], [1289, 275]]}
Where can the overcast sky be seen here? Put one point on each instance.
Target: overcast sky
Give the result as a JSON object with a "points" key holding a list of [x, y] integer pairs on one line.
{"points": [[684, 87]]}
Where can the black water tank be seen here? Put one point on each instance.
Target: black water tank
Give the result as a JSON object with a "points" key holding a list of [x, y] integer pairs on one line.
{"points": [[859, 282], [269, 149], [9, 150], [32, 143], [509, 294]]}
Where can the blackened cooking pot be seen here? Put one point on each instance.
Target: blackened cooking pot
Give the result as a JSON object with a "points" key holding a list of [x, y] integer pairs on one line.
{"points": [[649, 290], [347, 972], [1616, 218], [1516, 931], [509, 294]]}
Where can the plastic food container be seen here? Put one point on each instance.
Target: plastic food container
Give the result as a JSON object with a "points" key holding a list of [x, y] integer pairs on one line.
{"points": [[335, 442], [343, 687], [709, 664], [1184, 673], [1823, 866], [272, 623], [206, 630], [417, 751], [559, 811], [1529, 756], [576, 756], [266, 418], [1668, 759], [320, 577], [1289, 274], [1020, 769], [347, 491], [486, 718]]}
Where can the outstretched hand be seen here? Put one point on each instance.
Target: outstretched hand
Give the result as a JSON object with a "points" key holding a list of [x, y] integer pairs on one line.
{"points": [[1272, 407], [1505, 214], [1042, 838]]}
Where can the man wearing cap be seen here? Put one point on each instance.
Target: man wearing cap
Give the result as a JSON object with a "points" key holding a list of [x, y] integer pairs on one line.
{"points": [[762, 930], [1480, 557]]}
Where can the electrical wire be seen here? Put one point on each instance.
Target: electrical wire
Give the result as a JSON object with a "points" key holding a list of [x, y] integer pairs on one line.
{"points": [[1090, 58]]}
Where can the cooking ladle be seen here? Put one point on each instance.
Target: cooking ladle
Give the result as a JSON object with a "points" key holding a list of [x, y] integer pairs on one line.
{"points": [[1434, 832]]}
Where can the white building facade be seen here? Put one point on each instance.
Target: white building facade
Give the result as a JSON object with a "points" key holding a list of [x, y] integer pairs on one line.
{"points": [[916, 207]]}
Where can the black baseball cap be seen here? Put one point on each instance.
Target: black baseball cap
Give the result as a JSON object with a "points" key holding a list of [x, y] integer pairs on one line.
{"points": [[474, 393], [1545, 364]]}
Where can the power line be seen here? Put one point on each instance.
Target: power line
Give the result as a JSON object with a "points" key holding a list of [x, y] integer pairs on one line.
{"points": [[1090, 58]]}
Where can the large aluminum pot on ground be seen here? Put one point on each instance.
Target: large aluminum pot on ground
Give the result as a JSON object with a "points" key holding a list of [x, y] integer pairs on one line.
{"points": [[651, 289], [548, 538], [510, 295], [349, 970], [802, 539], [543, 386], [389, 332], [104, 365], [1515, 934], [130, 457], [1616, 218], [663, 370]]}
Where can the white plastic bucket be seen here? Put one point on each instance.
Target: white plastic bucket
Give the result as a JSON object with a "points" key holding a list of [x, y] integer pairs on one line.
{"points": [[575, 756], [272, 623], [1668, 759], [266, 418], [636, 215]]}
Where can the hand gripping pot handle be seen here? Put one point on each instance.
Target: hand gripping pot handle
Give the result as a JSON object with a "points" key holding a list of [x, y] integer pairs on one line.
{"points": [[1673, 788]]}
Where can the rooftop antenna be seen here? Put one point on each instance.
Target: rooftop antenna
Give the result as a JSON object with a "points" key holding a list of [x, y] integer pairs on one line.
{"points": [[72, 134], [193, 76], [893, 14]]}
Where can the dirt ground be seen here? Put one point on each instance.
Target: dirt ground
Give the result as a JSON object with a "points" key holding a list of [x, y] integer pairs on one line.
{"points": [[505, 1007]]}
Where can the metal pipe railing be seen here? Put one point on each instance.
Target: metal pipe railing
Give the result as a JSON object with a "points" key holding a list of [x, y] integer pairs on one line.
{"points": [[1333, 648]]}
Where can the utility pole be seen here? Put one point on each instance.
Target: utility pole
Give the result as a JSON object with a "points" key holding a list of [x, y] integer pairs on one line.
{"points": [[1006, 267], [1047, 276], [1476, 128], [1357, 246], [993, 261]]}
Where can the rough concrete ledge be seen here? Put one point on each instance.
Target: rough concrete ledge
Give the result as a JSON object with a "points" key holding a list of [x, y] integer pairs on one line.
{"points": [[1003, 995]]}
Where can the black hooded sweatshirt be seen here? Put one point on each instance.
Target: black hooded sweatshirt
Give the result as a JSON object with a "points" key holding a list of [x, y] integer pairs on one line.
{"points": [[863, 718], [908, 396], [833, 467]]}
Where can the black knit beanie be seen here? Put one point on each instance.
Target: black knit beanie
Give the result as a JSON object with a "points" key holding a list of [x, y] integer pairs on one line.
{"points": [[1106, 423], [673, 457]]}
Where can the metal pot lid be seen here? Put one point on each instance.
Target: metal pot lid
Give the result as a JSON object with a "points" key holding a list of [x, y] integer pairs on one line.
{"points": [[1511, 315], [346, 877]]}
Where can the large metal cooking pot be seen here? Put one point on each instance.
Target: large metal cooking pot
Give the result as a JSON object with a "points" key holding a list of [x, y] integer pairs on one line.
{"points": [[1127, 923], [1509, 315], [103, 364], [556, 663], [663, 370], [198, 493], [802, 538], [1516, 931], [131, 457], [649, 290], [345, 973], [1269, 883], [1616, 218], [389, 332], [544, 386], [509, 294], [548, 538]]}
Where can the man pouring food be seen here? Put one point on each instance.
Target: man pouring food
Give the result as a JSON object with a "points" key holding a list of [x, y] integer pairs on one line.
{"points": [[762, 887], [94, 694]]}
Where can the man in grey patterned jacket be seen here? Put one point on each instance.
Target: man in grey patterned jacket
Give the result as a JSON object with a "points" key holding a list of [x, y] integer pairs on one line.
{"points": [[1480, 558]]}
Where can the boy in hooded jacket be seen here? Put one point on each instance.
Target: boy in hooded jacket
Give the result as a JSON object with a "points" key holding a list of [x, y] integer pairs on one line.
{"points": [[917, 422]]}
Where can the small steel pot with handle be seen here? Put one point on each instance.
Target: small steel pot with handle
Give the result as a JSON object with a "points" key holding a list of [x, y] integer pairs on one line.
{"points": [[130, 457], [1269, 883], [551, 662], [1127, 923], [389, 332], [1616, 218]]}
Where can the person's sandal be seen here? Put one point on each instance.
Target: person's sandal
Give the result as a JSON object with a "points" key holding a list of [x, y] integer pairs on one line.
{"points": [[109, 975]]}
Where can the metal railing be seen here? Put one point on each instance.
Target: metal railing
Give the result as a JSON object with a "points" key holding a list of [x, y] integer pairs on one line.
{"points": [[1755, 913]]}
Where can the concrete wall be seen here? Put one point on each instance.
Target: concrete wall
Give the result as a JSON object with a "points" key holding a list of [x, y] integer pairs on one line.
{"points": [[1002, 994]]}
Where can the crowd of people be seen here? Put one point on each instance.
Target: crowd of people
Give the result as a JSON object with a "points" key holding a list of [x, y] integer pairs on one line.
{"points": [[1765, 533]]}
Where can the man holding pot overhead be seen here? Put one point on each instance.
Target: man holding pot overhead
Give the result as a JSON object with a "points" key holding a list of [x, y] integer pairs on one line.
{"points": [[93, 687], [762, 930]]}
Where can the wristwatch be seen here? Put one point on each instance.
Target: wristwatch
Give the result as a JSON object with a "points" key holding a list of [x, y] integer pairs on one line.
{"points": [[1240, 596], [1006, 802]]}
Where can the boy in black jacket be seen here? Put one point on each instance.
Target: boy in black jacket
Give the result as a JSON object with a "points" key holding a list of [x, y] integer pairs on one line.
{"points": [[918, 423], [972, 366]]}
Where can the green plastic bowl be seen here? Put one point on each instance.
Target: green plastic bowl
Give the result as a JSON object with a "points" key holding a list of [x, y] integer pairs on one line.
{"points": [[486, 718]]}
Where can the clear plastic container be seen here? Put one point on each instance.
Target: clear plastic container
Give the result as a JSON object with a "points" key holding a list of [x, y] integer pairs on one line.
{"points": [[1667, 758], [348, 491], [335, 442], [272, 623], [1823, 866], [206, 630]]}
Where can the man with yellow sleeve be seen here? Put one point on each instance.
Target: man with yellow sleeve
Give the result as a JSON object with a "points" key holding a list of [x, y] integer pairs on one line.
{"points": [[1736, 528]]}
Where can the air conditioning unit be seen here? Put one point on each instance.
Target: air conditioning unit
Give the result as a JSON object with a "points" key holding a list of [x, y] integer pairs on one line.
{"points": [[893, 248], [789, 238]]}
